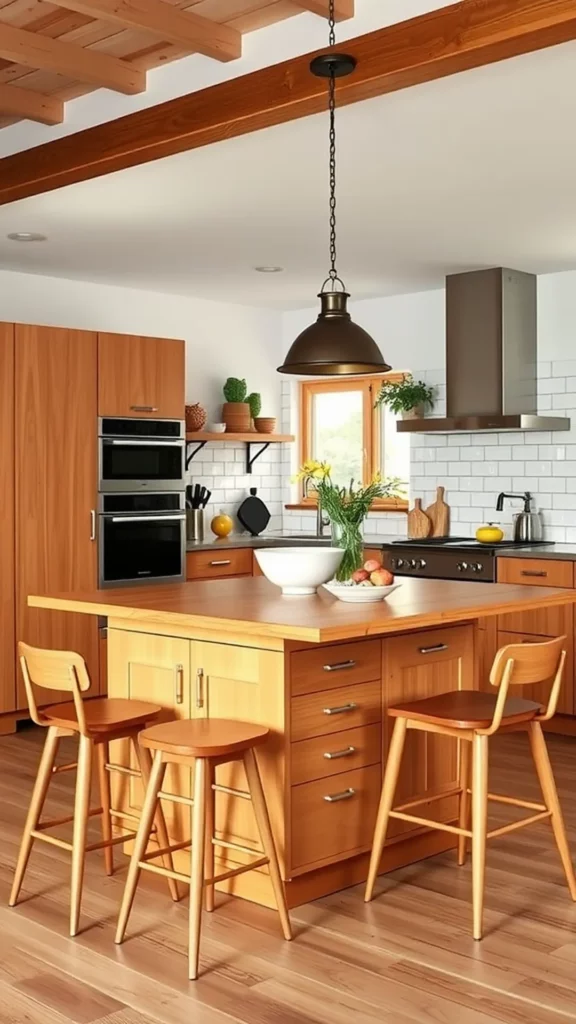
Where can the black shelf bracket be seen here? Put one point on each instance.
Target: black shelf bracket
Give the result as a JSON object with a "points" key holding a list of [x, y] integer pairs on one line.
{"points": [[251, 459], [191, 452]]}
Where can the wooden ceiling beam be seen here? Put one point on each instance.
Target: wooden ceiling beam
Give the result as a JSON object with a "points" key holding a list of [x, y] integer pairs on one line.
{"points": [[343, 9], [34, 106], [185, 29], [42, 53], [466, 35]]}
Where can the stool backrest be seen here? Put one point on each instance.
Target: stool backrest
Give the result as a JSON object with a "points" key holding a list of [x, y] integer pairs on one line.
{"points": [[54, 670], [524, 665]]}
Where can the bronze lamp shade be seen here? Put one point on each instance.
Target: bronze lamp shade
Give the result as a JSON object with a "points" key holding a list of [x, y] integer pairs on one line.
{"points": [[334, 345]]}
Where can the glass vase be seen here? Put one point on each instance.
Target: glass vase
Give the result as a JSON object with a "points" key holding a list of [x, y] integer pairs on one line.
{"points": [[348, 536]]}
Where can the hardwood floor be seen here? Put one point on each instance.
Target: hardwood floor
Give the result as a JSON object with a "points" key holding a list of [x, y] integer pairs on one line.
{"points": [[406, 958]]}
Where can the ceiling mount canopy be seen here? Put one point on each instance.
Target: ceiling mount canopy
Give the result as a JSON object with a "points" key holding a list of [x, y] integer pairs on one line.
{"points": [[334, 344]]}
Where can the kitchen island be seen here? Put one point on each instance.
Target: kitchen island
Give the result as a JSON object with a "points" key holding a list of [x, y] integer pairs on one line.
{"points": [[320, 674]]}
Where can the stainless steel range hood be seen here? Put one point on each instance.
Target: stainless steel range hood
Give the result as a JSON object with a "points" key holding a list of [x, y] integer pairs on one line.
{"points": [[491, 356]]}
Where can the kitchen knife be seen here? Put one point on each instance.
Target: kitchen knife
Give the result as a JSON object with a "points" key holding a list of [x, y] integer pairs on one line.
{"points": [[196, 498]]}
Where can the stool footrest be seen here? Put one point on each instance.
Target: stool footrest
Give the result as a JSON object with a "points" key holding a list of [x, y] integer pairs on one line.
{"points": [[110, 842], [235, 846], [123, 770], [427, 823], [174, 798], [55, 822], [231, 792], [114, 813], [53, 840], [58, 768], [429, 799], [504, 829], [237, 871], [167, 849], [528, 804], [165, 872]]}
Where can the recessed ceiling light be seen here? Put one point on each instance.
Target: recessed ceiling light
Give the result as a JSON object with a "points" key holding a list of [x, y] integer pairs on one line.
{"points": [[26, 236], [269, 270]]}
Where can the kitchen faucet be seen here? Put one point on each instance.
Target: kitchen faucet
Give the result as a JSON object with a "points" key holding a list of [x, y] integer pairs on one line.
{"points": [[526, 498], [321, 520]]}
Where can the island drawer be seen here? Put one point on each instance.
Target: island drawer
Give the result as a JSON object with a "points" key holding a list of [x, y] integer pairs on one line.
{"points": [[212, 564], [334, 711], [339, 752], [325, 668], [334, 818], [536, 572]]}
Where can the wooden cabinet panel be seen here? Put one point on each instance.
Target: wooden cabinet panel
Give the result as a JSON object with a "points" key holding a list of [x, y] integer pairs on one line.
{"points": [[486, 647], [324, 756], [418, 666], [536, 572], [376, 553], [141, 376], [541, 692], [329, 829], [56, 485], [542, 621], [7, 541], [332, 711], [210, 564], [324, 668]]}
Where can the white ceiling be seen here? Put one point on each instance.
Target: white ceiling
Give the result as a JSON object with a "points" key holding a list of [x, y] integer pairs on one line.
{"points": [[475, 170]]}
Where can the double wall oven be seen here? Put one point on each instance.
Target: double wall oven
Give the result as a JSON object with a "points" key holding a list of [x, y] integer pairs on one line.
{"points": [[141, 502]]}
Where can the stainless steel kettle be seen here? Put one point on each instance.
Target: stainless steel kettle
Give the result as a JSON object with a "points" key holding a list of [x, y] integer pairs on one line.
{"points": [[528, 525]]}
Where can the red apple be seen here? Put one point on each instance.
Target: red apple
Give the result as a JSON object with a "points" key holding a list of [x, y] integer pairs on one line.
{"points": [[372, 565], [381, 578], [360, 575]]}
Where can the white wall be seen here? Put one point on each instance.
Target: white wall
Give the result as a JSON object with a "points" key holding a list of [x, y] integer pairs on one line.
{"points": [[222, 340]]}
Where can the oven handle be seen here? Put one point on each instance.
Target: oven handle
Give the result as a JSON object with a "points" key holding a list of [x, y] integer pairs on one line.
{"points": [[145, 519], [148, 443]]}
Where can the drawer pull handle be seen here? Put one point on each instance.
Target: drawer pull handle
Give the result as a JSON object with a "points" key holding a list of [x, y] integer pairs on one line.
{"points": [[222, 561], [339, 666], [433, 650], [342, 709], [179, 684], [199, 678], [144, 408], [334, 798], [340, 753], [532, 572]]}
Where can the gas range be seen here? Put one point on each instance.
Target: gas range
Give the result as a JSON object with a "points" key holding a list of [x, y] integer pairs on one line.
{"points": [[447, 558]]}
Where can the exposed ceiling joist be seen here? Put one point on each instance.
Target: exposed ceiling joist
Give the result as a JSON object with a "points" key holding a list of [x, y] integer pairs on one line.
{"points": [[465, 35], [343, 9], [17, 102], [185, 29], [40, 52]]}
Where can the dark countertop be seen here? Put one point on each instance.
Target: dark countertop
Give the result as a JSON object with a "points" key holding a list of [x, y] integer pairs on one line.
{"points": [[563, 552], [276, 540]]}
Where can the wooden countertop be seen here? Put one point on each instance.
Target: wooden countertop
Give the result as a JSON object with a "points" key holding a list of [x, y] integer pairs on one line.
{"points": [[256, 607]]}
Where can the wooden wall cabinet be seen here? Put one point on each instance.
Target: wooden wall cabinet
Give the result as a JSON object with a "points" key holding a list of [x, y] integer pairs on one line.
{"points": [[141, 377], [7, 581]]}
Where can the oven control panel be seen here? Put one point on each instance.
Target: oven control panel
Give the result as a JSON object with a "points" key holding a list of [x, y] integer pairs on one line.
{"points": [[441, 564]]}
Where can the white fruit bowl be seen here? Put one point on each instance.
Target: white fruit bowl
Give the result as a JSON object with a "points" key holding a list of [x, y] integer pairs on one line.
{"points": [[359, 595], [299, 571]]}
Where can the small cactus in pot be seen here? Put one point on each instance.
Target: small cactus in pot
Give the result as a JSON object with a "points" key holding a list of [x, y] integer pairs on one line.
{"points": [[236, 410], [255, 402]]}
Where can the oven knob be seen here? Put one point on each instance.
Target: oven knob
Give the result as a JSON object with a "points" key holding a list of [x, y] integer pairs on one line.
{"points": [[477, 567], [462, 566], [397, 563], [421, 564]]}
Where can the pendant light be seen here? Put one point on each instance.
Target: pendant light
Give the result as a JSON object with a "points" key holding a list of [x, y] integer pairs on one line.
{"points": [[333, 344]]}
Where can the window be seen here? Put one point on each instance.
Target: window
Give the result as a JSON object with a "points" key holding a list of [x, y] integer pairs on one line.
{"points": [[339, 425]]}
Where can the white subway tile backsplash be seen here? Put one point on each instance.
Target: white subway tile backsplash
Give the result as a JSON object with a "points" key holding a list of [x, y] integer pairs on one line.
{"points": [[436, 469], [459, 468], [552, 386], [525, 451], [544, 403], [503, 453], [567, 468], [564, 402], [475, 453], [564, 368]]}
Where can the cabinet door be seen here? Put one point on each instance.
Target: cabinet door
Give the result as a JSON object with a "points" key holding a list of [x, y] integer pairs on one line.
{"points": [[156, 669], [140, 376], [418, 666], [56, 486], [7, 585], [245, 684]]}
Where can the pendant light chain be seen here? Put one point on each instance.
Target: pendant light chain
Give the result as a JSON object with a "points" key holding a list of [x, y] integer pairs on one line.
{"points": [[333, 275]]}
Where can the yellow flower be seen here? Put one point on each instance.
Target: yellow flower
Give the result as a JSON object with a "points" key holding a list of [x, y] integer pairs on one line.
{"points": [[312, 469], [377, 478]]}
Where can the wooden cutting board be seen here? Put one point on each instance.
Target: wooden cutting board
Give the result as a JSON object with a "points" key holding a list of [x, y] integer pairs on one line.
{"points": [[419, 525], [439, 514]]}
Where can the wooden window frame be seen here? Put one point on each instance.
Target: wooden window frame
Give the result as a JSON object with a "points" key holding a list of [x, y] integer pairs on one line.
{"points": [[372, 421]]}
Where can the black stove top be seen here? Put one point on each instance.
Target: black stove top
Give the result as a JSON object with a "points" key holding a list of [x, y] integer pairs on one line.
{"points": [[467, 542], [448, 558]]}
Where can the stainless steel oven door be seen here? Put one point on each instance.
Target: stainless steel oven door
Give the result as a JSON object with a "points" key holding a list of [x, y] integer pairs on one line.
{"points": [[133, 464], [148, 548]]}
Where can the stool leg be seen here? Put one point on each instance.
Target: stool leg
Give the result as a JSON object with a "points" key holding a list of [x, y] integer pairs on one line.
{"points": [[144, 758], [102, 759], [210, 826], [140, 843], [37, 801], [388, 790], [81, 808], [265, 830], [464, 810], [479, 827], [197, 865], [550, 793]]}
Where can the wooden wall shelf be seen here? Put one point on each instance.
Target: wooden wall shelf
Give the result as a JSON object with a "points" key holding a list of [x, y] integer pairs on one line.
{"points": [[201, 437]]}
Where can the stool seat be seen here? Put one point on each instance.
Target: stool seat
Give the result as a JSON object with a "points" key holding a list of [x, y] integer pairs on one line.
{"points": [[465, 709], [103, 714], [205, 737]]}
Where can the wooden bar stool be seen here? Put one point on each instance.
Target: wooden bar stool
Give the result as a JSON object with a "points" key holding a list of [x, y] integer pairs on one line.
{"points": [[96, 722], [202, 744], [472, 717]]}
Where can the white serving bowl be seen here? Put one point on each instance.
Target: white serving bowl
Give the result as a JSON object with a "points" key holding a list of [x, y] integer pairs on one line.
{"points": [[217, 428], [299, 571], [360, 595]]}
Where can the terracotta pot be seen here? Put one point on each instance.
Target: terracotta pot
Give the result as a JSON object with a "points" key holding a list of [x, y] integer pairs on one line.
{"points": [[236, 416], [417, 413], [195, 417], [265, 424]]}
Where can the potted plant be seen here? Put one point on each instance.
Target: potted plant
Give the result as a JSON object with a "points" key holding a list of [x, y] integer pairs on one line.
{"points": [[255, 402], [236, 410], [407, 397]]}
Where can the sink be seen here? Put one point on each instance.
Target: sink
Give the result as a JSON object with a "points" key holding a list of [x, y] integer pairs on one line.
{"points": [[300, 538]]}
